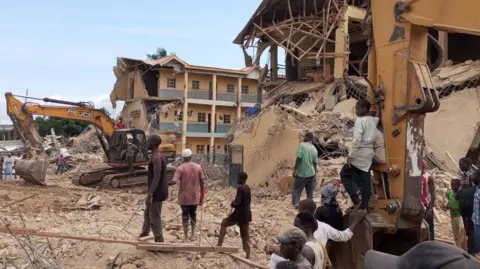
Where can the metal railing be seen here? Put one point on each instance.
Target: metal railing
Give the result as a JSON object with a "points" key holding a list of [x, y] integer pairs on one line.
{"points": [[197, 127], [199, 94], [249, 98], [223, 128], [227, 96], [167, 93], [169, 126]]}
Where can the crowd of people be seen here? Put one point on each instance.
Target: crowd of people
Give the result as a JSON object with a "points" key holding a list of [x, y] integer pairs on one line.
{"points": [[305, 245]]}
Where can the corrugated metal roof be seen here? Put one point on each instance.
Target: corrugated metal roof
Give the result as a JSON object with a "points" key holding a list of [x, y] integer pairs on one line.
{"points": [[167, 60]]}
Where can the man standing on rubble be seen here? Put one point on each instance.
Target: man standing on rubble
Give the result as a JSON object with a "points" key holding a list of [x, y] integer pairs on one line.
{"points": [[121, 124], [356, 172], [157, 190], [305, 169], [191, 191]]}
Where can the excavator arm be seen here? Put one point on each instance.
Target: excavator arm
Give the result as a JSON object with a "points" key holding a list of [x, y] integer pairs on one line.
{"points": [[403, 88], [403, 92], [21, 114]]}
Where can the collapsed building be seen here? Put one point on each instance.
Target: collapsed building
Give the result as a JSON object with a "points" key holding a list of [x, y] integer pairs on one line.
{"points": [[325, 61], [191, 106]]}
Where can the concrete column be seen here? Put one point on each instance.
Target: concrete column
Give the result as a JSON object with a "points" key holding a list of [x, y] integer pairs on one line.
{"points": [[341, 46], [185, 111], [443, 40], [274, 61], [239, 97], [213, 119]]}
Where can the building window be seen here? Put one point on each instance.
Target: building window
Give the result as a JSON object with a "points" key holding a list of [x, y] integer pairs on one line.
{"points": [[225, 148], [226, 119], [201, 117], [179, 115], [196, 84], [171, 83], [200, 149], [230, 88], [244, 89]]}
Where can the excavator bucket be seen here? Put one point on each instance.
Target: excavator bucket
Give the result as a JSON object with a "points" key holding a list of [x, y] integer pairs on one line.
{"points": [[32, 170]]}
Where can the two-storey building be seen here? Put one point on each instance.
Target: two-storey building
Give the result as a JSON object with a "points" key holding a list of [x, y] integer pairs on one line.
{"points": [[213, 99]]}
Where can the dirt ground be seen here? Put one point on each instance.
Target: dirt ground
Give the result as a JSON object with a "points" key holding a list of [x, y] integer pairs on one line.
{"points": [[118, 215]]}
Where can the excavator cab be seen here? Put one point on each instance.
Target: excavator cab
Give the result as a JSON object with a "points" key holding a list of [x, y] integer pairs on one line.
{"points": [[119, 144]]}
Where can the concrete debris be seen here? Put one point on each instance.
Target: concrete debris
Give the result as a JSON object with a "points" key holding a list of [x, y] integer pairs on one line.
{"points": [[88, 202], [260, 137], [456, 76], [461, 113]]}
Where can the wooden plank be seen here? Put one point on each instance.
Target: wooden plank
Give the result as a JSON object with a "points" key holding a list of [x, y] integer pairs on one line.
{"points": [[177, 247], [247, 262], [32, 232]]}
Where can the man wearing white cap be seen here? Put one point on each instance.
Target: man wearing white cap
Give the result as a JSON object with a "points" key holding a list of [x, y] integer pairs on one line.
{"points": [[191, 191]]}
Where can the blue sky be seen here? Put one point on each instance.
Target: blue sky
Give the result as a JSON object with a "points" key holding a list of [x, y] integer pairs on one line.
{"points": [[66, 49]]}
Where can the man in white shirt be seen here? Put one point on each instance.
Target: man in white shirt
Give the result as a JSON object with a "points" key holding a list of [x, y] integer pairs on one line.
{"points": [[326, 232], [356, 172]]}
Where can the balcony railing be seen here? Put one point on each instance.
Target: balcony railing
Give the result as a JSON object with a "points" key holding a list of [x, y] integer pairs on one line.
{"points": [[227, 96], [169, 127], [223, 128], [199, 94], [197, 127], [168, 93], [249, 98]]}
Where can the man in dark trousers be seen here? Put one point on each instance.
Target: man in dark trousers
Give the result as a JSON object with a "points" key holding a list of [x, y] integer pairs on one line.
{"points": [[157, 190], [464, 196], [241, 215], [355, 174]]}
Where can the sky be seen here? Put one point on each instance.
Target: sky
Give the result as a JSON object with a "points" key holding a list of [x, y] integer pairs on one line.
{"points": [[66, 49]]}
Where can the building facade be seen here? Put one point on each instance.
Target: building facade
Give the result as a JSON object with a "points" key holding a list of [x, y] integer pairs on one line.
{"points": [[212, 99]]}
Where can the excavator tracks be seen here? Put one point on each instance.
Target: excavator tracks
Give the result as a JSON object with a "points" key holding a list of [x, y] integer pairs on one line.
{"points": [[114, 178]]}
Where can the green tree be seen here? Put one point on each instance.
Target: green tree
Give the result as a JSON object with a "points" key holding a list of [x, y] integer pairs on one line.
{"points": [[161, 52]]}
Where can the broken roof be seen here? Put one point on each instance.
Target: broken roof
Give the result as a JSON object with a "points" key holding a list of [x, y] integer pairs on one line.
{"points": [[173, 61], [278, 10]]}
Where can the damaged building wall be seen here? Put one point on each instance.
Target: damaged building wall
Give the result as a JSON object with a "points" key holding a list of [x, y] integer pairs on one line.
{"points": [[163, 79], [129, 85], [262, 146], [134, 114], [450, 131]]}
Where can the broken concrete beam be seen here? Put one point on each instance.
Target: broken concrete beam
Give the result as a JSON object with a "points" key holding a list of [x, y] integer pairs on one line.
{"points": [[247, 262], [330, 102], [178, 247]]}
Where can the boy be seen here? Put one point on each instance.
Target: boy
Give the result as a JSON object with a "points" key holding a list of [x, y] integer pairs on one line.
{"points": [[305, 169], [428, 197], [241, 215], [456, 219], [355, 173]]}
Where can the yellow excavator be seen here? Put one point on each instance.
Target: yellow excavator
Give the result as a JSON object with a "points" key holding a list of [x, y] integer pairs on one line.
{"points": [[113, 141], [403, 92]]}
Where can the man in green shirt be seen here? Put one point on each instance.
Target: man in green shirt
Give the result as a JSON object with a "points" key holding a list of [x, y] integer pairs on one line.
{"points": [[456, 218], [305, 169]]}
